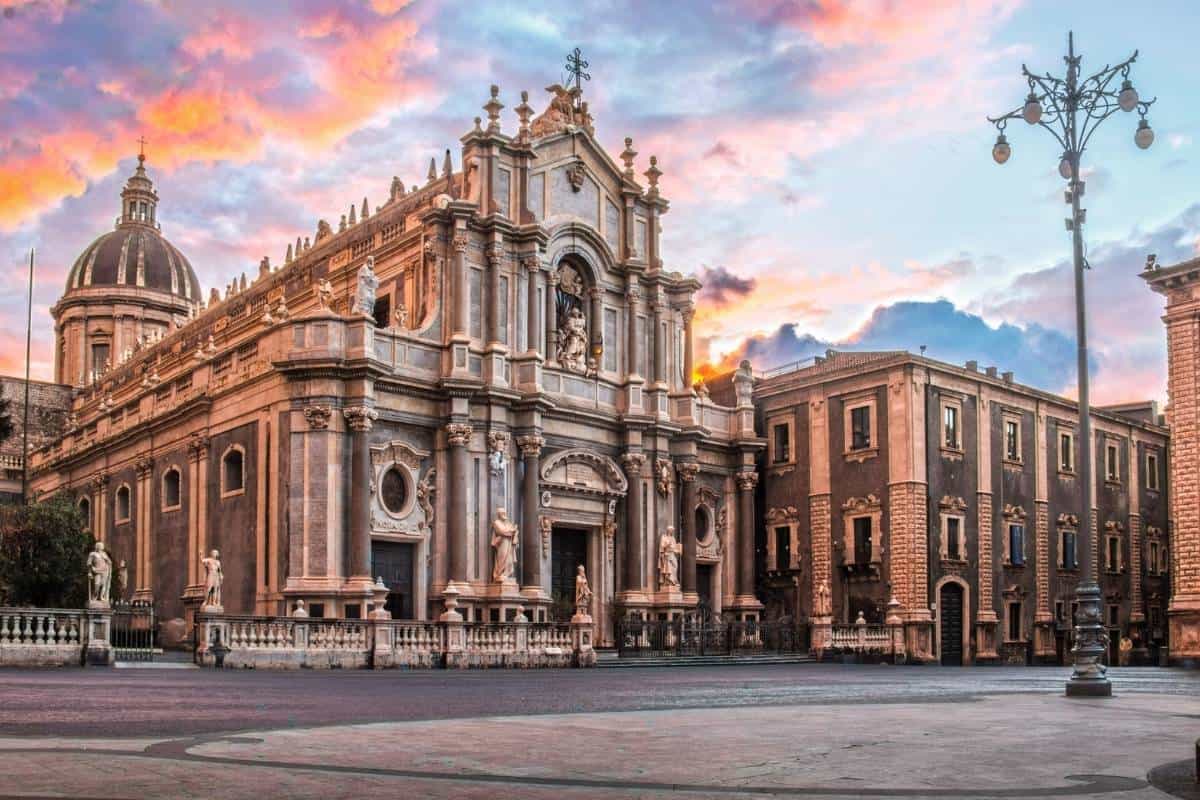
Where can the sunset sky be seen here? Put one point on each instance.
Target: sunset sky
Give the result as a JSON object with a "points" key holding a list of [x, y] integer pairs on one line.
{"points": [[828, 163]]}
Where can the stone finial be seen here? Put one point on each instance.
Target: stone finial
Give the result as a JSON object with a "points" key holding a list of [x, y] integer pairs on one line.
{"points": [[478, 125], [493, 107], [366, 209], [652, 175], [432, 170], [397, 188], [627, 156], [264, 267], [214, 296], [414, 188], [524, 114], [287, 259], [447, 165], [353, 215], [307, 244], [342, 226], [241, 287], [299, 247]]}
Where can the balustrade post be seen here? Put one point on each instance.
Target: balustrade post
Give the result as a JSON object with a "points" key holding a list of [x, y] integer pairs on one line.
{"points": [[896, 630], [860, 632], [453, 631]]}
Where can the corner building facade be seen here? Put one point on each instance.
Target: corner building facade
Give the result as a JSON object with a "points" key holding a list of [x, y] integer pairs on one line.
{"points": [[526, 354], [955, 491]]}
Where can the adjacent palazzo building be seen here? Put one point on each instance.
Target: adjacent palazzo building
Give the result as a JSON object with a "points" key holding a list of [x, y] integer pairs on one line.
{"points": [[956, 492], [1180, 284], [504, 344]]}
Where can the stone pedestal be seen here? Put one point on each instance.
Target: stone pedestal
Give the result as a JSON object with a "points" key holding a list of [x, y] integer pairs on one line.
{"points": [[820, 635], [456, 634], [214, 633], [99, 651], [503, 597], [581, 640], [1044, 648], [918, 640], [1183, 625], [986, 628]]}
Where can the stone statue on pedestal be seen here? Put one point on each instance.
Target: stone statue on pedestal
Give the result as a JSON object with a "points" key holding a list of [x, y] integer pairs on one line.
{"points": [[504, 537], [573, 344], [122, 580], [213, 578], [668, 560], [364, 292], [99, 567], [583, 592]]}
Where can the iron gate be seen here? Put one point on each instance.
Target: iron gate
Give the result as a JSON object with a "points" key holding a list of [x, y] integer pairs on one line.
{"points": [[134, 630], [701, 636]]}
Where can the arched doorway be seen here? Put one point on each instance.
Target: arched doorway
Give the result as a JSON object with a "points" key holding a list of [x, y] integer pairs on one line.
{"points": [[950, 618]]}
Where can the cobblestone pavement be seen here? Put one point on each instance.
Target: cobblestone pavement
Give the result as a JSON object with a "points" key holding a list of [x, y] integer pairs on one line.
{"points": [[790, 731]]}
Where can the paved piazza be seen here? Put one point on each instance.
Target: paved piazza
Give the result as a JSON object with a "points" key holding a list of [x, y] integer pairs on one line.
{"points": [[789, 731]]}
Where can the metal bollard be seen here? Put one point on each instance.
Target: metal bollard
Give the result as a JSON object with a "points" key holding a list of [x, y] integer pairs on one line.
{"points": [[1196, 772]]}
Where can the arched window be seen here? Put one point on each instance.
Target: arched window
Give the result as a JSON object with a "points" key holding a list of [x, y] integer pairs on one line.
{"points": [[85, 511], [233, 474], [170, 489], [122, 504]]}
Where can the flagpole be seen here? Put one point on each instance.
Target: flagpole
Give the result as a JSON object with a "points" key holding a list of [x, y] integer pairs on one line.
{"points": [[25, 420]]}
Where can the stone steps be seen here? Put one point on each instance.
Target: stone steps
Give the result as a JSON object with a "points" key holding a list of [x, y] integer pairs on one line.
{"points": [[613, 661]]}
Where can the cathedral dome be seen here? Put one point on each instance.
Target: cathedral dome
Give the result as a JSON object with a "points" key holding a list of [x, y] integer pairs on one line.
{"points": [[136, 254]]}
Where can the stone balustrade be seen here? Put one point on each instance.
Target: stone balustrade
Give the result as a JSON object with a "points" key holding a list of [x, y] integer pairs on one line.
{"points": [[298, 642], [44, 637], [860, 638]]}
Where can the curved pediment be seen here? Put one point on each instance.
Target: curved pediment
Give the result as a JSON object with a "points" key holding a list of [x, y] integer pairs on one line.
{"points": [[582, 470]]}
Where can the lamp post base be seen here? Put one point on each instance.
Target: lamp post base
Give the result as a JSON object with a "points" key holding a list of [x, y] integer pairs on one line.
{"points": [[1089, 678]]}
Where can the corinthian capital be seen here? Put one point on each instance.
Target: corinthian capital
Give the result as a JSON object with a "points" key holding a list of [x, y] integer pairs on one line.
{"points": [[318, 416], [687, 471], [494, 252], [360, 418], [460, 243], [531, 262], [531, 445], [746, 481], [633, 463], [458, 433]]}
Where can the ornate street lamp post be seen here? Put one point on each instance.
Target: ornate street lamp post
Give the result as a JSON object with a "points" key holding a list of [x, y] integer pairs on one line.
{"points": [[1071, 109]]}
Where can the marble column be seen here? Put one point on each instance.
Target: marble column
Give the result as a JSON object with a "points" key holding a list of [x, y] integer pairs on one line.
{"points": [[659, 344], [531, 529], [687, 519], [633, 580], [551, 317], [495, 259], [632, 294], [597, 296], [144, 466], [532, 318], [458, 435], [462, 299], [746, 482], [688, 362], [359, 420]]}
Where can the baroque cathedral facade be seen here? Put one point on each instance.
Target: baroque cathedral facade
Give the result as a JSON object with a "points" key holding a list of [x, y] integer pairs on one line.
{"points": [[477, 387]]}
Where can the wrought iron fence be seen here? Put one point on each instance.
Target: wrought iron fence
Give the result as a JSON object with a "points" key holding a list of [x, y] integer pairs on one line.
{"points": [[134, 630], [698, 636]]}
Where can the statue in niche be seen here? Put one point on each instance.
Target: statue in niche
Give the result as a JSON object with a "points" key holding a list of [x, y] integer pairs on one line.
{"points": [[364, 293], [99, 567], [122, 580], [668, 559], [572, 342], [504, 538], [213, 578], [823, 607], [583, 592], [401, 317]]}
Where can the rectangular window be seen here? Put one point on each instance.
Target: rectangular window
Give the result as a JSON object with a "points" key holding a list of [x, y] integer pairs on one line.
{"points": [[1113, 554], [1111, 470], [1114, 616], [1152, 471], [1155, 617], [1066, 551], [954, 537], [503, 304], [862, 540], [99, 358], [1059, 611], [1162, 560], [1066, 452], [950, 427], [1016, 545], [1012, 440], [783, 547], [382, 311], [475, 298], [783, 443], [1152, 561], [860, 428], [1014, 621]]}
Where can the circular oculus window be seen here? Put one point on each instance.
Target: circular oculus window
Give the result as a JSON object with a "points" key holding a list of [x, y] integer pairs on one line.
{"points": [[393, 490]]}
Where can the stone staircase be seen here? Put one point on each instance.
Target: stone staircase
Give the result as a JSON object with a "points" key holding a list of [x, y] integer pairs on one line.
{"points": [[610, 659]]}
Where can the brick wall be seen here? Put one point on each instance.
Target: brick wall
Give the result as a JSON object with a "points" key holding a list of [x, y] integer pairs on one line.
{"points": [[908, 543]]}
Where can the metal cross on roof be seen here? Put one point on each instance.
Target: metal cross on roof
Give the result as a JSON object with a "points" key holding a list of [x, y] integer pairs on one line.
{"points": [[142, 147], [576, 66]]}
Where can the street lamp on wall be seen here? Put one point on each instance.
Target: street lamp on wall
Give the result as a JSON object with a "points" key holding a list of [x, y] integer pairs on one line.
{"points": [[1071, 109]]}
